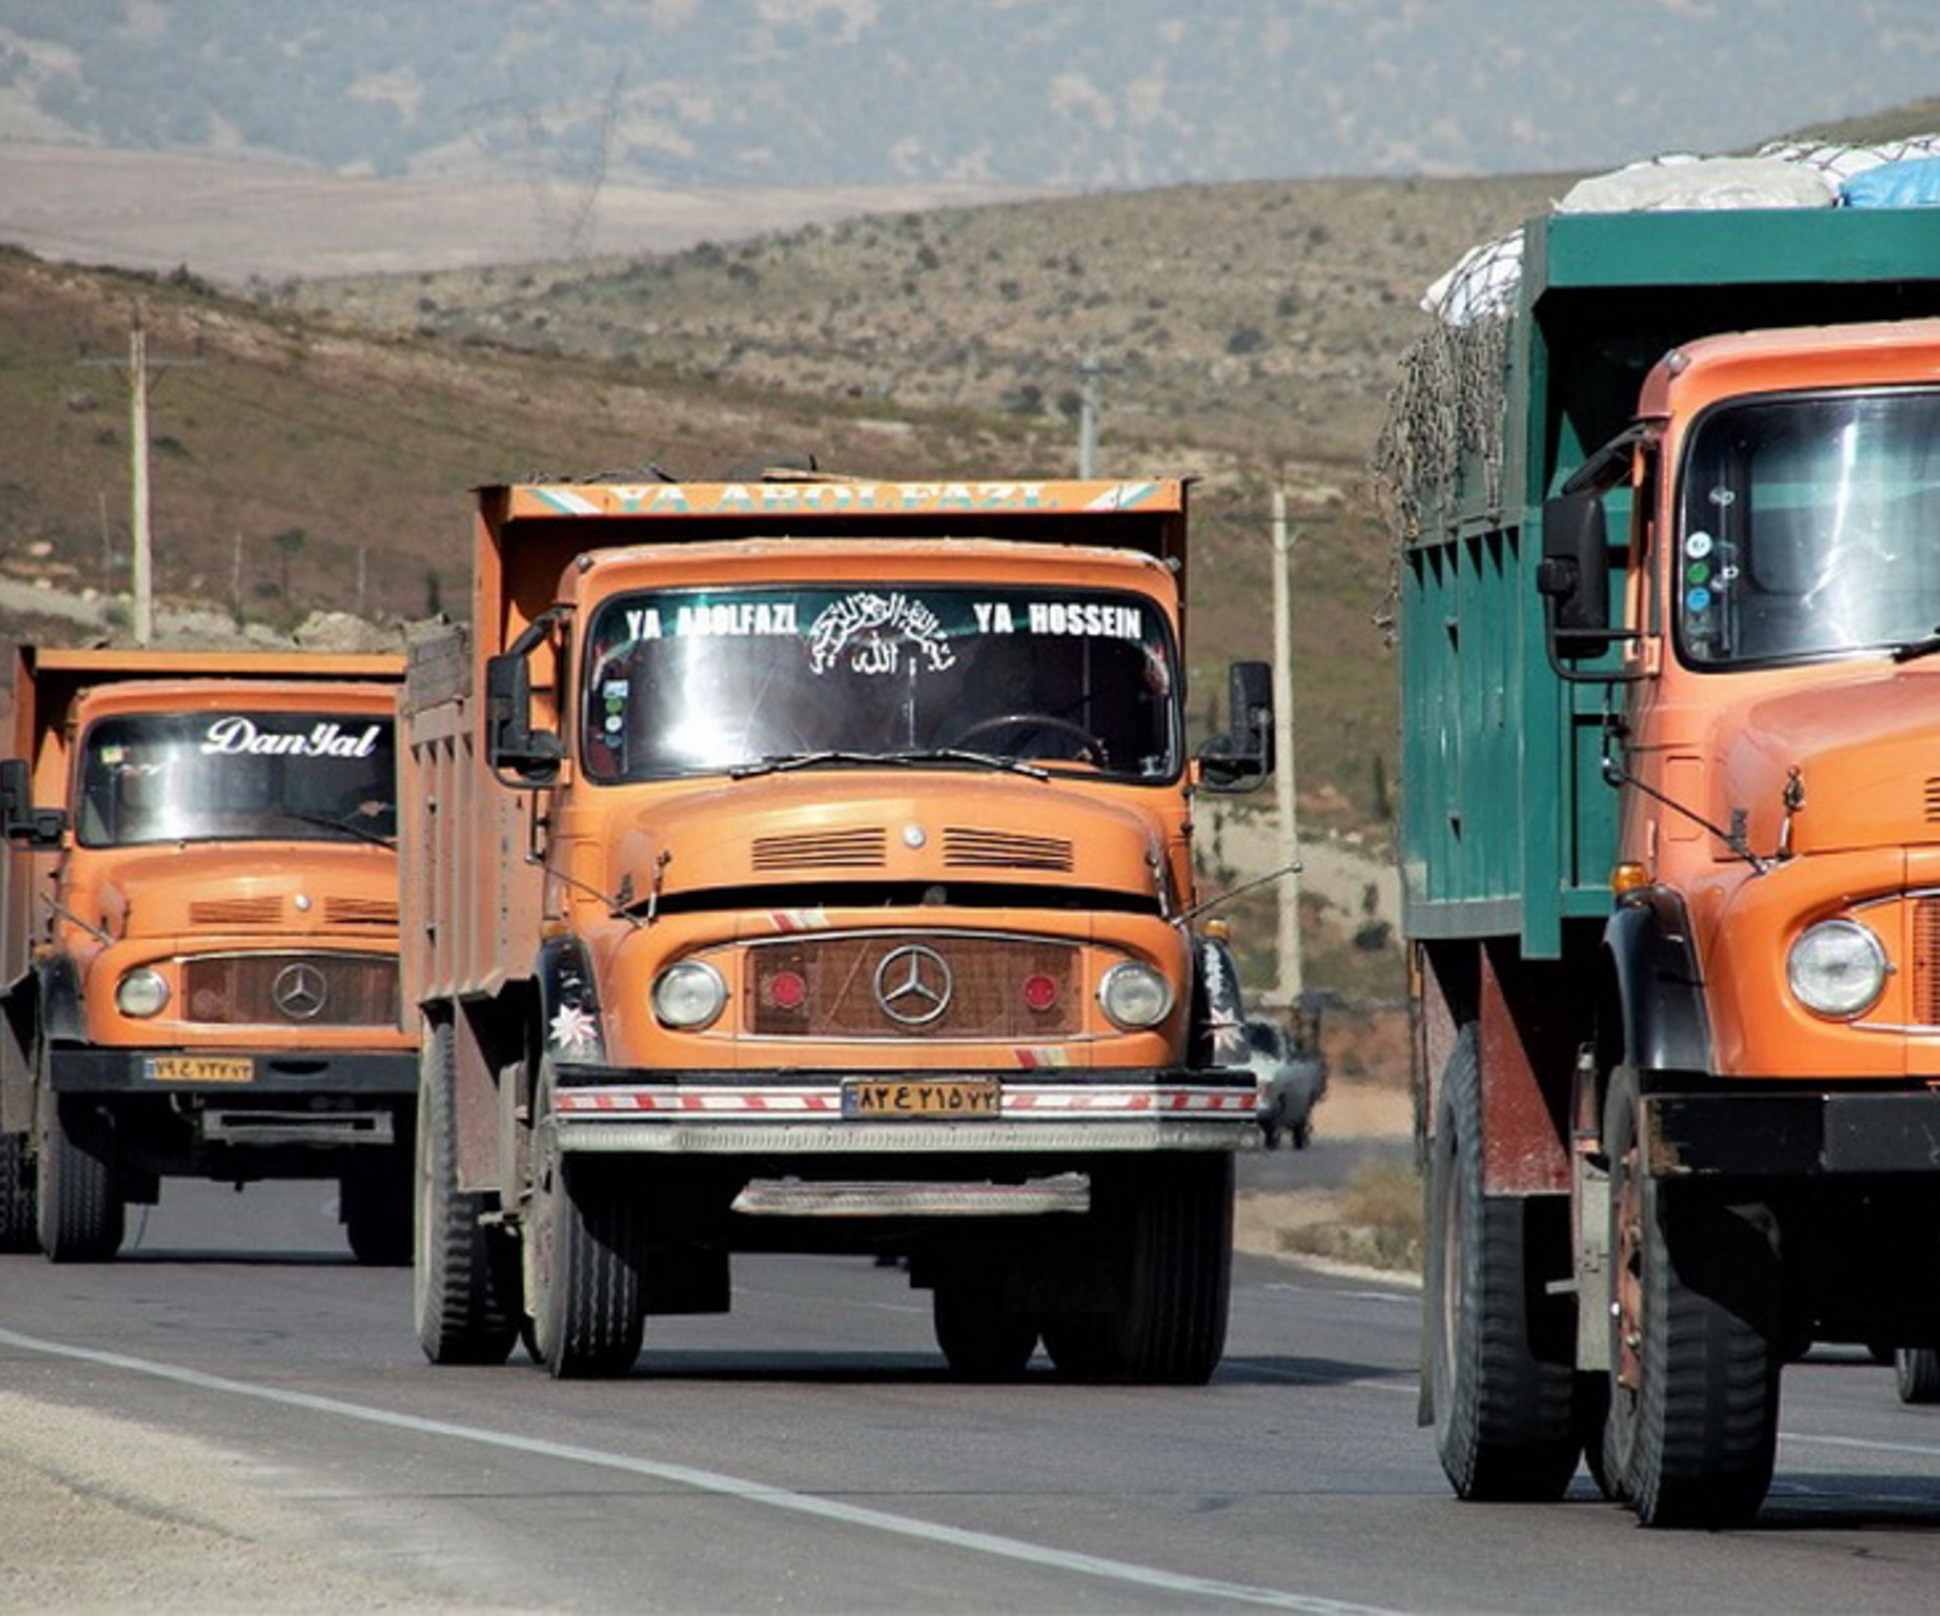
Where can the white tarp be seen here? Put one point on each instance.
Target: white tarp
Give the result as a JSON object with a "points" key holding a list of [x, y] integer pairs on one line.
{"points": [[1483, 281]]}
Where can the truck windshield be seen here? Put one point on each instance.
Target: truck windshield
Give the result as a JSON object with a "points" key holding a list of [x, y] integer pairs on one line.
{"points": [[226, 776], [1810, 528], [705, 680]]}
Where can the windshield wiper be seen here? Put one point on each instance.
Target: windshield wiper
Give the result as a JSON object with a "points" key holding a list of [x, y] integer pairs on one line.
{"points": [[342, 826], [1913, 650], [782, 764], [985, 760]]}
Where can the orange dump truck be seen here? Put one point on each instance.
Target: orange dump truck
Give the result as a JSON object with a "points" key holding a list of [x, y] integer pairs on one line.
{"points": [[1670, 609], [199, 952], [806, 866]]}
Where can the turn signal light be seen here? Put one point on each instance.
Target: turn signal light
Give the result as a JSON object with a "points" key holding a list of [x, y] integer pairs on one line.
{"points": [[1627, 878]]}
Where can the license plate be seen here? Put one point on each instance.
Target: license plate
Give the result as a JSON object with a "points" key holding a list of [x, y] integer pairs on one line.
{"points": [[200, 1069], [891, 1098]]}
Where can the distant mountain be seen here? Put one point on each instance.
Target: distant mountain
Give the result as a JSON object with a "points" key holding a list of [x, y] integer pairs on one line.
{"points": [[1078, 94]]}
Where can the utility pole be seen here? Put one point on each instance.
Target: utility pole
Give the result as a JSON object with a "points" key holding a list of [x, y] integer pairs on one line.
{"points": [[144, 578], [1291, 984], [140, 370], [1088, 419]]}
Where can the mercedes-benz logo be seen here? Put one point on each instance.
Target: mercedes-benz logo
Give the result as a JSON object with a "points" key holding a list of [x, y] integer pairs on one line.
{"points": [[913, 985], [300, 991]]}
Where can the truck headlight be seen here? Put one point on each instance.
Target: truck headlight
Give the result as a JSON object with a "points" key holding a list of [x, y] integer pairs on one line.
{"points": [[1836, 968], [689, 994], [1134, 995], [141, 992]]}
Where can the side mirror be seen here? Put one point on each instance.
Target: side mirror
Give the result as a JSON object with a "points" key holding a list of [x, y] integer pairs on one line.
{"points": [[519, 754], [1243, 757], [1574, 574], [20, 820]]}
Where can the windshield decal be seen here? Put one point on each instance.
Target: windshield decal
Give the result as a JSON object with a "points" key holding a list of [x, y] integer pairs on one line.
{"points": [[238, 735], [733, 619], [1092, 619], [866, 632]]}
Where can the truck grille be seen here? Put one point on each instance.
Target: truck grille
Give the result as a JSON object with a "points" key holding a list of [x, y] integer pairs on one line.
{"points": [[291, 990], [913, 986]]}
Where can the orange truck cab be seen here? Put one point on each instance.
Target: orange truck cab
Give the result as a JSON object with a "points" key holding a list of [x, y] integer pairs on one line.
{"points": [[806, 866], [200, 948]]}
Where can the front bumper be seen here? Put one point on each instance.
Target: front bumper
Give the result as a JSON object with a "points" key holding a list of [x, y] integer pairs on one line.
{"points": [[282, 1074], [802, 1114], [1791, 1135]]}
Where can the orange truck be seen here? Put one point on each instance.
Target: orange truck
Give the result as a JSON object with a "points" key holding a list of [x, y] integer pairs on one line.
{"points": [[805, 865], [200, 959], [1670, 667]]}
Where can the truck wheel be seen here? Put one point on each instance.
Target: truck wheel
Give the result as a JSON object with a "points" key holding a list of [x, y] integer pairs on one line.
{"points": [[81, 1215], [463, 1287], [1169, 1223], [376, 1201], [1694, 1346], [979, 1338], [1505, 1426], [17, 1220], [584, 1258], [1916, 1370]]}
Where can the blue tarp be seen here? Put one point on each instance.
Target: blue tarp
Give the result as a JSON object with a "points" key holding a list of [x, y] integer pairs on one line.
{"points": [[1913, 183]]}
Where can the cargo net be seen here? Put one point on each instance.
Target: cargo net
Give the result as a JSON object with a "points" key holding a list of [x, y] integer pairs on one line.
{"points": [[1842, 162], [1445, 411]]}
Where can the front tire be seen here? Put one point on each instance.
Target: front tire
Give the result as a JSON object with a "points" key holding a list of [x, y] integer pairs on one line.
{"points": [[17, 1215], [584, 1256], [464, 1292], [1505, 1420], [1694, 1346], [81, 1216], [1168, 1229], [1916, 1374]]}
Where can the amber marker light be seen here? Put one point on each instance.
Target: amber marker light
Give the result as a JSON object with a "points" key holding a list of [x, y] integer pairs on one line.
{"points": [[1627, 878]]}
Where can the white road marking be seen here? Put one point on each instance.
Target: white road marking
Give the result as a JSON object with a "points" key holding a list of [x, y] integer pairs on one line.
{"points": [[715, 1482]]}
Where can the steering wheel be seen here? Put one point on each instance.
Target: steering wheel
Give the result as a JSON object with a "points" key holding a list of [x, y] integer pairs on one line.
{"points": [[1091, 749]]}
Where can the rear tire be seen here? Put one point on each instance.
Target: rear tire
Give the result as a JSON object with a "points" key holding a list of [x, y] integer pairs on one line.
{"points": [[1169, 1234], [464, 1291], [1694, 1347], [979, 1338], [1916, 1372], [17, 1216], [1506, 1426], [80, 1216], [584, 1260]]}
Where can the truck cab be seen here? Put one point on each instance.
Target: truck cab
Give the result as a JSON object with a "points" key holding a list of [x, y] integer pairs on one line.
{"points": [[203, 862]]}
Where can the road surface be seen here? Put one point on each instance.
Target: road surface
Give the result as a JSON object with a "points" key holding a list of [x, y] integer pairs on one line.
{"points": [[235, 1418]]}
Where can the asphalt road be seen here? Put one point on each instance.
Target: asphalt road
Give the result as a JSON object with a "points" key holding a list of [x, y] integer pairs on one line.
{"points": [[236, 1417]]}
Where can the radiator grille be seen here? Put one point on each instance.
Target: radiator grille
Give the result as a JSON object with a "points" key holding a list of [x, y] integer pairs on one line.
{"points": [[290, 990], [935, 987], [1933, 799]]}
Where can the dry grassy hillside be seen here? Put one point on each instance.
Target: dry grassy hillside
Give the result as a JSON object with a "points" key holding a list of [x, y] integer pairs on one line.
{"points": [[313, 444]]}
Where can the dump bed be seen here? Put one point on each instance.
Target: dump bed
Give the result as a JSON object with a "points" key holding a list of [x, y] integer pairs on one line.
{"points": [[1507, 826]]}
